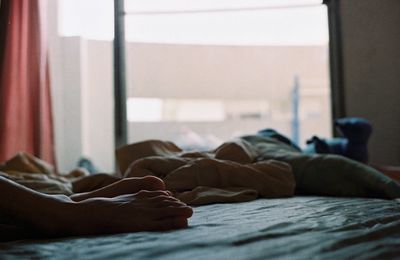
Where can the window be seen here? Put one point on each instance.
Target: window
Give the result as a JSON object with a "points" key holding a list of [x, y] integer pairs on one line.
{"points": [[218, 69]]}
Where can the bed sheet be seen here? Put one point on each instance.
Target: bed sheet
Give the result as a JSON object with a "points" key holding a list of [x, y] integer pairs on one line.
{"points": [[293, 228]]}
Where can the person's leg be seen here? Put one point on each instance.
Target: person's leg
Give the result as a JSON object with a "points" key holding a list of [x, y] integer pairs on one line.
{"points": [[93, 182], [142, 211], [124, 186], [57, 215]]}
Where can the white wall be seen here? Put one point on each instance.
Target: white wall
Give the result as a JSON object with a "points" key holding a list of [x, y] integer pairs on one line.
{"points": [[66, 94], [82, 92], [371, 46], [98, 103]]}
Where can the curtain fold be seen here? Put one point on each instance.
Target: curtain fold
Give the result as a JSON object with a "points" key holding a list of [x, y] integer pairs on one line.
{"points": [[25, 101]]}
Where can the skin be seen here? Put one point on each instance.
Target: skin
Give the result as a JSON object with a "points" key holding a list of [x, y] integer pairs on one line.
{"points": [[128, 205]]}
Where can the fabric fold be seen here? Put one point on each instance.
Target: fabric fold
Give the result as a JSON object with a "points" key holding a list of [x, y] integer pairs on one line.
{"points": [[229, 173]]}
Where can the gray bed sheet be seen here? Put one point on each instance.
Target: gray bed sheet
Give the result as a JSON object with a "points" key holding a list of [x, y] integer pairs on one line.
{"points": [[294, 228]]}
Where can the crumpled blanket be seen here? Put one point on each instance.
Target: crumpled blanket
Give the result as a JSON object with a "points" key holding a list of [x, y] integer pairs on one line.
{"points": [[38, 175], [240, 170], [318, 174], [326, 174], [230, 173]]}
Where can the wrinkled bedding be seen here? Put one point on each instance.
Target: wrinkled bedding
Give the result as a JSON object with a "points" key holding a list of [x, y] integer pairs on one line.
{"points": [[264, 166], [239, 170], [230, 173], [293, 228], [302, 227]]}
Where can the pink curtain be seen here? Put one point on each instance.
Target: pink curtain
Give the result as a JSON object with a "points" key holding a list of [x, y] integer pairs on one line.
{"points": [[25, 103]]}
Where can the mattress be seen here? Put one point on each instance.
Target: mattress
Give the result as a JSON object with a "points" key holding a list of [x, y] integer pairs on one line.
{"points": [[293, 228]]}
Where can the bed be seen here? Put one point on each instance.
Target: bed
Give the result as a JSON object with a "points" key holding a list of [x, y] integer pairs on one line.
{"points": [[303, 227], [350, 225]]}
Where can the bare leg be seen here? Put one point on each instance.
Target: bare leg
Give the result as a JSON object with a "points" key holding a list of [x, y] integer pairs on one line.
{"points": [[142, 211], [93, 182], [124, 186], [60, 216]]}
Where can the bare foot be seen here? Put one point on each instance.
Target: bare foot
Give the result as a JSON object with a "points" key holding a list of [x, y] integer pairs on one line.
{"points": [[58, 215], [142, 211], [155, 165], [93, 182], [124, 186]]}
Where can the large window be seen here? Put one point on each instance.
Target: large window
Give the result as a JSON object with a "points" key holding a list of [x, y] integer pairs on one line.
{"points": [[201, 72]]}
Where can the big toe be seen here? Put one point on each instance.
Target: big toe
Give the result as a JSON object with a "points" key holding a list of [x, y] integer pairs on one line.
{"points": [[153, 183]]}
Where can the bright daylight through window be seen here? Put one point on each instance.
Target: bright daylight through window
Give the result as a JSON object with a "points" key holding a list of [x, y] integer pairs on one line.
{"points": [[202, 71]]}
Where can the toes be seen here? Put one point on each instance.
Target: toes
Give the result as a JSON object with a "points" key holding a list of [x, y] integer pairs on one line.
{"points": [[170, 203], [149, 194], [163, 198], [150, 183], [169, 224], [182, 211], [180, 222], [162, 201], [153, 183]]}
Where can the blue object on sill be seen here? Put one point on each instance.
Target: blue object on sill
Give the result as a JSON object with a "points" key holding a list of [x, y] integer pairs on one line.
{"points": [[354, 143]]}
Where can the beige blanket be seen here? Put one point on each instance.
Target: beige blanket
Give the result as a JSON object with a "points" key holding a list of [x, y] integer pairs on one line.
{"points": [[228, 174], [38, 175]]}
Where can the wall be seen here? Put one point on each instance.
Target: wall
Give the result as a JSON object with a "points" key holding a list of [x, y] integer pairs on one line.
{"points": [[215, 71], [371, 50], [82, 93], [98, 103], [64, 71]]}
